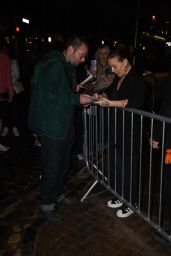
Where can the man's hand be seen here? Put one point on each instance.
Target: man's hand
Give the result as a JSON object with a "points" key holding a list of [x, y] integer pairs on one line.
{"points": [[85, 99]]}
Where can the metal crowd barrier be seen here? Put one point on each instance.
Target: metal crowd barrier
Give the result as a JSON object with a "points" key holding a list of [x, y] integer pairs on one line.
{"points": [[119, 156]]}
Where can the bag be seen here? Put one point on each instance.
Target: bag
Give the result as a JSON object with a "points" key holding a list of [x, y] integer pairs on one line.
{"points": [[18, 87]]}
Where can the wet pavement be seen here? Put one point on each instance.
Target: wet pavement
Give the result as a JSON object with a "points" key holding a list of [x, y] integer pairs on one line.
{"points": [[89, 228]]}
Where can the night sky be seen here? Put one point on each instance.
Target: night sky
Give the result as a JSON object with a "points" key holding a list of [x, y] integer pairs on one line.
{"points": [[104, 17]]}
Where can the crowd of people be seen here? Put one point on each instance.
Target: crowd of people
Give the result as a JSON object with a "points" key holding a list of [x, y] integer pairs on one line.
{"points": [[55, 109]]}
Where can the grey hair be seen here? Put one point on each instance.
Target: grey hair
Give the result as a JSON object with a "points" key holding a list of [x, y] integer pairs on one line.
{"points": [[99, 48]]}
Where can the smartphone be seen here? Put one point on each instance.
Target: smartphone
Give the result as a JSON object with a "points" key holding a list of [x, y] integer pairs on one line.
{"points": [[93, 66]]}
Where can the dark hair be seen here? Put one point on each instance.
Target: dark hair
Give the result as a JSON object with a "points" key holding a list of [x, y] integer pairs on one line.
{"points": [[76, 41], [121, 52]]}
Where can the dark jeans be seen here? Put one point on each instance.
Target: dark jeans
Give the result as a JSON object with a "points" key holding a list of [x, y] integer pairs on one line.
{"points": [[14, 112], [3, 109], [79, 125], [55, 160]]}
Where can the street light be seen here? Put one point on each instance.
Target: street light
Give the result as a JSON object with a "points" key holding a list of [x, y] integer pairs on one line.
{"points": [[18, 29], [25, 21], [153, 18]]}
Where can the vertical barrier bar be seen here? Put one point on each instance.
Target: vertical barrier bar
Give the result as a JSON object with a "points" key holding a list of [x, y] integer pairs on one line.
{"points": [[115, 144], [123, 152], [150, 171], [85, 135], [102, 146], [140, 165], [132, 130], [161, 175], [108, 148]]}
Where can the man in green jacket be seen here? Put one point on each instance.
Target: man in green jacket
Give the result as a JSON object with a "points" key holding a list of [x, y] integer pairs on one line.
{"points": [[51, 115]]}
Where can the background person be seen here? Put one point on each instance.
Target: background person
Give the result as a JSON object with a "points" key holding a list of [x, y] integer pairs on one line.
{"points": [[6, 89], [103, 79], [157, 137], [12, 121]]}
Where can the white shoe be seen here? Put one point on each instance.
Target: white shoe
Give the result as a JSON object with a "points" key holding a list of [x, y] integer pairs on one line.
{"points": [[16, 131], [4, 132], [114, 203], [124, 212], [4, 148]]}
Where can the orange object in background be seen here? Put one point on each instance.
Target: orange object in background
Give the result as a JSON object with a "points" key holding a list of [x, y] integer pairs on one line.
{"points": [[167, 159]]}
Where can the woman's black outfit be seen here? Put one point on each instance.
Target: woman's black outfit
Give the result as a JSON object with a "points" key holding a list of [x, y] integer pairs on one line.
{"points": [[133, 89]]}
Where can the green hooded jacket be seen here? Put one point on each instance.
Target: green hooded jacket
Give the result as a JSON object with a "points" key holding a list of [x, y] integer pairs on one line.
{"points": [[53, 100]]}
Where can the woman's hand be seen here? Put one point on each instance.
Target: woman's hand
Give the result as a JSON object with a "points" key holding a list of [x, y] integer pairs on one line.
{"points": [[124, 103], [103, 102], [111, 103]]}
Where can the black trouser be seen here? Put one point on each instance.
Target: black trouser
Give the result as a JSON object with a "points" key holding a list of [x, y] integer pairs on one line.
{"points": [[55, 160], [121, 178], [3, 109], [14, 113], [3, 112]]}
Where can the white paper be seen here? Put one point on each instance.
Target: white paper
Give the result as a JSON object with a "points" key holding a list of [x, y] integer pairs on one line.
{"points": [[89, 78]]}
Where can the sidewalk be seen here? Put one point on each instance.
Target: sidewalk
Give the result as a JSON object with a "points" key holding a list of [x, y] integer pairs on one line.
{"points": [[93, 229], [89, 229]]}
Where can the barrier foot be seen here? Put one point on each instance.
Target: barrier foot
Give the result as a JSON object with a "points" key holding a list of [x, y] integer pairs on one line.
{"points": [[89, 190]]}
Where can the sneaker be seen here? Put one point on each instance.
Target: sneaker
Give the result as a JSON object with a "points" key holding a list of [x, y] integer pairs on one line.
{"points": [[4, 132], [16, 131], [37, 143], [160, 239], [51, 216], [80, 157], [124, 212], [4, 148], [114, 203], [63, 200]]}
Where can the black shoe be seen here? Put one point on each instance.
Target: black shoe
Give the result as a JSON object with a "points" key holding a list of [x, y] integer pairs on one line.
{"points": [[63, 200], [160, 239], [51, 216]]}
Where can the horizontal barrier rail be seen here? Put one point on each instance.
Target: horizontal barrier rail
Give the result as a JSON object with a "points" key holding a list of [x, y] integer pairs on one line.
{"points": [[119, 156]]}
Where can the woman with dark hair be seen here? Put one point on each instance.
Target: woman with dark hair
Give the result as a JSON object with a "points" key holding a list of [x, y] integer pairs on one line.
{"points": [[127, 90]]}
